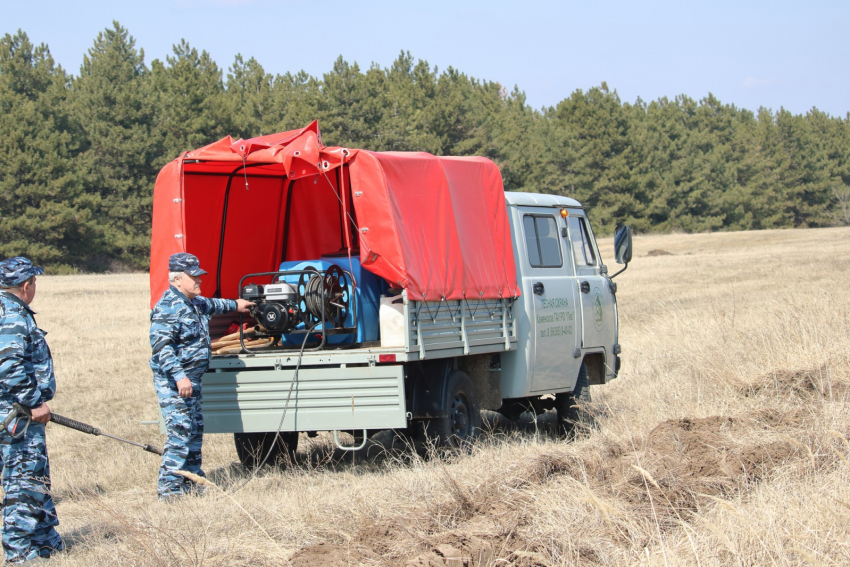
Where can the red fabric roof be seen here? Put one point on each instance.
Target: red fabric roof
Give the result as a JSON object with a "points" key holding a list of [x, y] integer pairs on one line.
{"points": [[436, 226]]}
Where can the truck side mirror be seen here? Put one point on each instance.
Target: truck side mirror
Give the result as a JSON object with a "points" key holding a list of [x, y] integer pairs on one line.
{"points": [[622, 248], [623, 245]]}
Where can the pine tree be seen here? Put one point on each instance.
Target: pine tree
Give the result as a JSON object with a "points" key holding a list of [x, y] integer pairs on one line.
{"points": [[348, 105], [294, 101], [599, 171], [250, 100], [44, 213], [191, 109], [115, 107]]}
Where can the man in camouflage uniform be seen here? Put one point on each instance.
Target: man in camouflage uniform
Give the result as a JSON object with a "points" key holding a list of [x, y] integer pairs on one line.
{"points": [[180, 340], [26, 377]]}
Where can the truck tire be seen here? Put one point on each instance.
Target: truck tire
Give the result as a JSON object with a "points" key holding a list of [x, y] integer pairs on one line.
{"points": [[567, 405], [462, 421], [251, 448]]}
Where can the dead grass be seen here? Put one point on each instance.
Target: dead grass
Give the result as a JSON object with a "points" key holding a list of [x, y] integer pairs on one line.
{"points": [[723, 442]]}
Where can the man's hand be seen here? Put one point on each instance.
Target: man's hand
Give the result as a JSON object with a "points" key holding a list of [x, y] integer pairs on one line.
{"points": [[184, 388], [242, 305], [41, 413]]}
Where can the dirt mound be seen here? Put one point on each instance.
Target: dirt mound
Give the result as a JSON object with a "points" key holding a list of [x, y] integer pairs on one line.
{"points": [[327, 554], [453, 550], [707, 448], [386, 536], [659, 253], [802, 382], [683, 460], [679, 462]]}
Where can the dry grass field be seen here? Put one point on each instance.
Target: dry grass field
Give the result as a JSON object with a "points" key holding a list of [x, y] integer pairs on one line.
{"points": [[723, 442]]}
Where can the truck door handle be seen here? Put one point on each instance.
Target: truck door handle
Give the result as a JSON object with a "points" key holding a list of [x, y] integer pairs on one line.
{"points": [[538, 288], [585, 287]]}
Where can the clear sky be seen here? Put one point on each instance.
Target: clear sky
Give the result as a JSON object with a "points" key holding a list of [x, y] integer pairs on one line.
{"points": [[775, 54]]}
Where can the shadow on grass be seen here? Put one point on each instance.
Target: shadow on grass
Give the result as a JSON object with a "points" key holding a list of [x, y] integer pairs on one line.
{"points": [[398, 446]]}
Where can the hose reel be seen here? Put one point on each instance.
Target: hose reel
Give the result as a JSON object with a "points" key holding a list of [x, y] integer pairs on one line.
{"points": [[326, 294]]}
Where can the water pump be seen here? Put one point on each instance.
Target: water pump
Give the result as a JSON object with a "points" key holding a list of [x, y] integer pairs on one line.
{"points": [[281, 307], [276, 306]]}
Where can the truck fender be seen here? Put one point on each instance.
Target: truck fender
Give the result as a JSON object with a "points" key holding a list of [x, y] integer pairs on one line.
{"points": [[425, 382]]}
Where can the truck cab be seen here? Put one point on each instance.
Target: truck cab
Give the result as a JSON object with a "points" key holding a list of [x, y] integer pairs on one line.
{"points": [[568, 316]]}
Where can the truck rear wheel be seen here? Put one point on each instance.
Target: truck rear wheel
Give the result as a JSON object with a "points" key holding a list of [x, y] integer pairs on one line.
{"points": [[251, 448], [568, 405], [462, 421]]}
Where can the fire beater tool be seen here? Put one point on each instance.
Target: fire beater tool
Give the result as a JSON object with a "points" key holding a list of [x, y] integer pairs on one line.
{"points": [[12, 424]]}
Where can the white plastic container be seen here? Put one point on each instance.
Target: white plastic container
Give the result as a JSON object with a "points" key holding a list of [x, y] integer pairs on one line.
{"points": [[392, 322]]}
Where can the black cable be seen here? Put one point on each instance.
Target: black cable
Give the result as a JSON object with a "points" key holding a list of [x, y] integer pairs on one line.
{"points": [[282, 417], [224, 224]]}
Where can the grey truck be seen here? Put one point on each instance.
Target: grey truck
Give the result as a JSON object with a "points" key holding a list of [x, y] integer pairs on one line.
{"points": [[559, 337], [393, 290]]}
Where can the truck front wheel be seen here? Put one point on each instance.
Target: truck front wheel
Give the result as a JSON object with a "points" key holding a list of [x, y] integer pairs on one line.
{"points": [[462, 420], [251, 448], [568, 405]]}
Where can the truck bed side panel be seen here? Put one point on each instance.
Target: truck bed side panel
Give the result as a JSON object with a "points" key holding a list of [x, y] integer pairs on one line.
{"points": [[366, 397], [441, 329]]}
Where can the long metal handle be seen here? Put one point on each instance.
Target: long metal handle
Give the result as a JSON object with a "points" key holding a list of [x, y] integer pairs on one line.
{"points": [[25, 413], [145, 447], [86, 428]]}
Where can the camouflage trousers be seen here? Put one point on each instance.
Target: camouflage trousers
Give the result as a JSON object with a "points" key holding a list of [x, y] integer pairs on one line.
{"points": [[29, 516], [184, 424]]}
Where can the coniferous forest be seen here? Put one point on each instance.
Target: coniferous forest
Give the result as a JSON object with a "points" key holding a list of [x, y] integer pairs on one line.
{"points": [[79, 153]]}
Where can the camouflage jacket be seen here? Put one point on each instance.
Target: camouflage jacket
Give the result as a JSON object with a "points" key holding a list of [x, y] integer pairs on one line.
{"points": [[180, 333], [26, 367]]}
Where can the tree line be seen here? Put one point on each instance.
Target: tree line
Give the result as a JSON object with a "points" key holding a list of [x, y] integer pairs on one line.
{"points": [[79, 154]]}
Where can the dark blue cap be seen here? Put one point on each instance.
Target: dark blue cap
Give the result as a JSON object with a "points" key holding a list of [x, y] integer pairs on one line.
{"points": [[184, 262], [15, 271]]}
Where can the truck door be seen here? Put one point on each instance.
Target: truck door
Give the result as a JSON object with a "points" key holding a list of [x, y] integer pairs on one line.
{"points": [[549, 279], [597, 301]]}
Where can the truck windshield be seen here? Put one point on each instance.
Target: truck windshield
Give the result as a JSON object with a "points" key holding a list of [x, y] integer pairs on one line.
{"points": [[582, 249]]}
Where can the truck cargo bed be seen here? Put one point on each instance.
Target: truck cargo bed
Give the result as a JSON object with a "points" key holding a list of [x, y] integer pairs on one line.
{"points": [[433, 329], [349, 388]]}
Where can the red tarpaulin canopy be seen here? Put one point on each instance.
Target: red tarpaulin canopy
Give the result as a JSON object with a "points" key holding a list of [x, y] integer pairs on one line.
{"points": [[436, 226]]}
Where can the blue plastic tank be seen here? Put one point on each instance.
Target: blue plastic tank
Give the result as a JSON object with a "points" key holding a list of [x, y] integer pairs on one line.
{"points": [[367, 296]]}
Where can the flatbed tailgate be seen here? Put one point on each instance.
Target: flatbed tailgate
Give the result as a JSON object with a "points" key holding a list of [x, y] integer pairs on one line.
{"points": [[325, 398]]}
